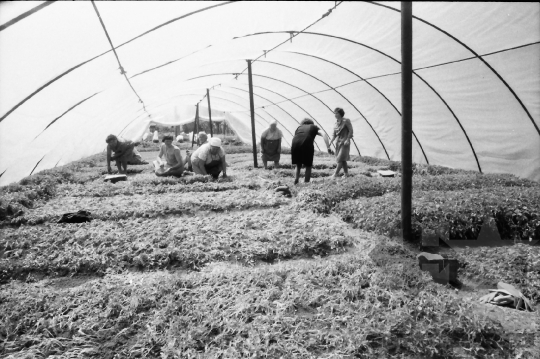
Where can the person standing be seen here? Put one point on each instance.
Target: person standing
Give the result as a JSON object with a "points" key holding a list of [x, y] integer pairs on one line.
{"points": [[271, 145], [173, 164], [343, 132], [302, 149]]}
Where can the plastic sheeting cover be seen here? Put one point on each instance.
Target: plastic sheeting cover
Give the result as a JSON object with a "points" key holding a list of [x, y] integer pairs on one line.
{"points": [[476, 100]]}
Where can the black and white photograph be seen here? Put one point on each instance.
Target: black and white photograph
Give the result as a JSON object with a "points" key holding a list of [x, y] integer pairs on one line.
{"points": [[269, 179]]}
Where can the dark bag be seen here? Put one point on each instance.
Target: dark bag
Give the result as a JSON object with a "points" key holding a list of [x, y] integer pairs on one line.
{"points": [[79, 217]]}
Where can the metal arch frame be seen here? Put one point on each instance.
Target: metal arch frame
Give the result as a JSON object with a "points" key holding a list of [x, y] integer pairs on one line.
{"points": [[297, 105], [62, 115], [307, 93], [170, 62], [229, 93], [30, 12], [476, 55], [25, 15], [37, 164], [236, 103], [369, 2], [224, 99], [104, 53], [367, 82], [339, 93], [235, 88], [397, 61], [222, 74]]}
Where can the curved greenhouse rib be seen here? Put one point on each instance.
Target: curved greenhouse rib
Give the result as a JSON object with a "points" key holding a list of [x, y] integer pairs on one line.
{"points": [[173, 61], [339, 93], [168, 62], [58, 162], [390, 57], [236, 103], [176, 19], [301, 108], [236, 88], [25, 15], [271, 78], [224, 99], [47, 84], [62, 115], [370, 84], [263, 109], [36, 165], [106, 52], [480, 57], [228, 93]]}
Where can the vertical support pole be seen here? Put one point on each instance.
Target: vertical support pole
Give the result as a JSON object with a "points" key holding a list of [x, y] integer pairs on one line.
{"points": [[176, 128], [195, 126], [406, 119], [209, 113], [252, 107]]}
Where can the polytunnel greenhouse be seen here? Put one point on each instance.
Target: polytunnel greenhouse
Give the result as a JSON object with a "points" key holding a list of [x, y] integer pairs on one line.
{"points": [[294, 179], [71, 73]]}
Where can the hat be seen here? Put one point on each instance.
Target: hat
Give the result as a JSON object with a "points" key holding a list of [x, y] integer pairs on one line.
{"points": [[215, 142]]}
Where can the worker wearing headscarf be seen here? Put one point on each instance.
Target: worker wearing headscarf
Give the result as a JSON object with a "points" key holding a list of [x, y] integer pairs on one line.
{"points": [[271, 145], [124, 153], [209, 159]]}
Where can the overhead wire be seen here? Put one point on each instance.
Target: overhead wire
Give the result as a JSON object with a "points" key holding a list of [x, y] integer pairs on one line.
{"points": [[121, 68], [292, 34]]}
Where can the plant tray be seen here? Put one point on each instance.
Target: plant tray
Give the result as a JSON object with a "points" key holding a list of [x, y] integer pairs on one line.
{"points": [[387, 173], [115, 178]]}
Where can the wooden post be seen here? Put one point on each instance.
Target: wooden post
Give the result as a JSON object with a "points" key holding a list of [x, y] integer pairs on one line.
{"points": [[209, 113], [406, 119], [252, 107]]}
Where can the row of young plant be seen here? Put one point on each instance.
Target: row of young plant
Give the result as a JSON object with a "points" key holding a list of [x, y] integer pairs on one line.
{"points": [[461, 215], [38, 188], [516, 212], [417, 168], [150, 184], [85, 178], [149, 205], [322, 197], [339, 307], [188, 242]]}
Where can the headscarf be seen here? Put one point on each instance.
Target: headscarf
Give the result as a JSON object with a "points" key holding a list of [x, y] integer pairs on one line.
{"points": [[270, 134]]}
